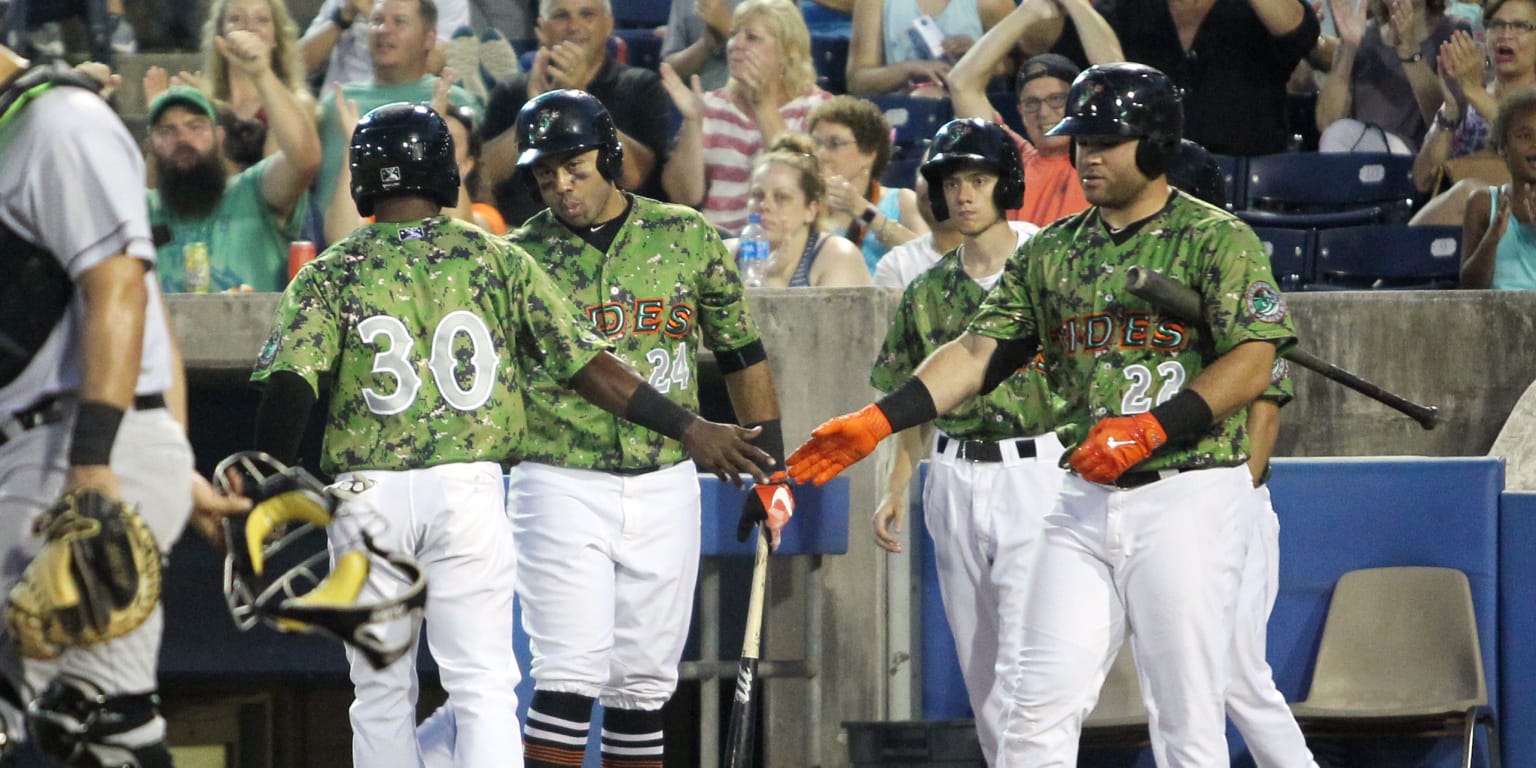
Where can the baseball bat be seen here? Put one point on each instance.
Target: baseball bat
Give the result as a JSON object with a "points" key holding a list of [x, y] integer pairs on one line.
{"points": [[738, 741], [1184, 302]]}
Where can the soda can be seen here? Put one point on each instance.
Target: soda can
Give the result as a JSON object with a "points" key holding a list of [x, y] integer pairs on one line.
{"points": [[300, 252], [197, 274]]}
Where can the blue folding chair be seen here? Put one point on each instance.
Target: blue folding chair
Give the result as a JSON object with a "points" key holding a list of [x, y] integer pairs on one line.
{"points": [[1387, 256], [1328, 189], [829, 54], [915, 120], [1290, 254]]}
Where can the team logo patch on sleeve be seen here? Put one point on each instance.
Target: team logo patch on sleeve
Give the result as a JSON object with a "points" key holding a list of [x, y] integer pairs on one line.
{"points": [[269, 350], [1265, 302], [1278, 371]]}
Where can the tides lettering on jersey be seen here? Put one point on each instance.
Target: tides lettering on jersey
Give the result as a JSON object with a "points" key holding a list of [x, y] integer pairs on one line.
{"points": [[641, 316], [1131, 330]]}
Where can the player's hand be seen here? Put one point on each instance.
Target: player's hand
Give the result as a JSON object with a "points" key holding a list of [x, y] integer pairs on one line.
{"points": [[888, 521], [1116, 444], [838, 444], [98, 476], [726, 450], [209, 508], [772, 504]]}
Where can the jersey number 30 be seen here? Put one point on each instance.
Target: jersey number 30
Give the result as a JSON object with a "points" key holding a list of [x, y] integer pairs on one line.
{"points": [[1136, 401], [395, 363]]}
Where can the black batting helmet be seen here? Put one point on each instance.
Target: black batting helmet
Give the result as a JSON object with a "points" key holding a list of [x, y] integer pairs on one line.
{"points": [[979, 142], [403, 149], [568, 122], [1130, 100], [1196, 171]]}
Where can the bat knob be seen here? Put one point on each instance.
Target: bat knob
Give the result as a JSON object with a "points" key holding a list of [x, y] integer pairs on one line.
{"points": [[1430, 417]]}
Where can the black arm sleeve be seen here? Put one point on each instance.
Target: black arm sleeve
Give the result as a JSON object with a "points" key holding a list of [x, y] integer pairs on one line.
{"points": [[283, 414], [1010, 355]]}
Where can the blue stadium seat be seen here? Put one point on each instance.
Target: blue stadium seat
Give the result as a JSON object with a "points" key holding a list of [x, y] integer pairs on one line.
{"points": [[1314, 189], [1290, 254], [915, 120], [1387, 256], [1235, 170], [830, 55], [642, 46], [901, 172], [641, 13]]}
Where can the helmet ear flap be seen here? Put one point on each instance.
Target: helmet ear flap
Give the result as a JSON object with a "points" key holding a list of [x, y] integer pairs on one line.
{"points": [[1153, 157], [612, 162]]}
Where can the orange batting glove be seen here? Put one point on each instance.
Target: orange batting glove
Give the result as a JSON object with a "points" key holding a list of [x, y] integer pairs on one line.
{"points": [[838, 444], [1115, 445]]}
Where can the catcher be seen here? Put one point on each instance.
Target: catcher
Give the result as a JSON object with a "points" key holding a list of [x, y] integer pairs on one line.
{"points": [[88, 369]]}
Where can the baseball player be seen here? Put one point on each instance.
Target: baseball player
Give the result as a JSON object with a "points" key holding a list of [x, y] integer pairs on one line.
{"points": [[426, 328], [86, 372], [1147, 530], [994, 470], [606, 516]]}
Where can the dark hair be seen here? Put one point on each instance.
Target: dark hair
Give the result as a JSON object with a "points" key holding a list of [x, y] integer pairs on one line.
{"points": [[428, 11], [465, 116], [795, 151], [871, 133], [1509, 109], [1493, 7]]}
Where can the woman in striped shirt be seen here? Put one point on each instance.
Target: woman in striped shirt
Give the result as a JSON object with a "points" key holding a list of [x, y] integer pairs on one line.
{"points": [[771, 91]]}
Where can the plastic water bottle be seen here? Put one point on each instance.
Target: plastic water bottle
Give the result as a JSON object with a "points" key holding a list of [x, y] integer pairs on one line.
{"points": [[753, 254]]}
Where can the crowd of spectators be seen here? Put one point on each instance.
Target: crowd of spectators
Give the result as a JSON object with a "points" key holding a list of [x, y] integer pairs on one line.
{"points": [[249, 153]]}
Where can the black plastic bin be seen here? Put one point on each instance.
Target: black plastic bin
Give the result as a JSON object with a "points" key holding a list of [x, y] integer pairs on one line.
{"points": [[929, 743]]}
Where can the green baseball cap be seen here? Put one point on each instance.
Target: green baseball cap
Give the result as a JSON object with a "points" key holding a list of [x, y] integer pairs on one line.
{"points": [[181, 96]]}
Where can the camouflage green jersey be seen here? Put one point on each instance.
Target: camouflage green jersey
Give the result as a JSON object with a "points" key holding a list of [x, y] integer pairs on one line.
{"points": [[426, 331], [1110, 353], [934, 310], [666, 282]]}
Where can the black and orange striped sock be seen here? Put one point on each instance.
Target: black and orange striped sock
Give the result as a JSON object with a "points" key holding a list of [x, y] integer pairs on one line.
{"points": [[556, 733], [632, 738]]}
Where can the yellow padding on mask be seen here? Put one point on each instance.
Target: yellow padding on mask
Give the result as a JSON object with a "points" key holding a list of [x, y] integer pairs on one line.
{"points": [[339, 589], [290, 507]]}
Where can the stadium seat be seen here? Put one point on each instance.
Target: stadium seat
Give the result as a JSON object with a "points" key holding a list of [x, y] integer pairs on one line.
{"points": [[1387, 256], [1235, 170], [641, 13], [1290, 254], [901, 171], [829, 53], [1400, 657], [642, 46], [1312, 189], [915, 120]]}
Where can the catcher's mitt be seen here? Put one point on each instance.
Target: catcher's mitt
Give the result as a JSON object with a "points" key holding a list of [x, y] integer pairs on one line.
{"points": [[97, 576]]}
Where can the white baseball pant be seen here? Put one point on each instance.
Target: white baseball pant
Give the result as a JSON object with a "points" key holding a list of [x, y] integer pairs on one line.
{"points": [[985, 520], [452, 519], [1163, 560], [606, 569]]}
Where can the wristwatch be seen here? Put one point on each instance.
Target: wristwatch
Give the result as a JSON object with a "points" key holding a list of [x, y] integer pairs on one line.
{"points": [[869, 214], [1444, 123], [340, 20], [1417, 56]]}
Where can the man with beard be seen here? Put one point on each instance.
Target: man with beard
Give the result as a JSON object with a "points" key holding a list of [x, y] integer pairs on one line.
{"points": [[994, 473], [573, 53], [605, 513], [245, 221]]}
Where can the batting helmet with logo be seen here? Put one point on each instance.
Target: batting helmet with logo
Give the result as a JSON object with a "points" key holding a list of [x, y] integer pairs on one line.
{"points": [[403, 149], [974, 142], [568, 122], [1130, 100]]}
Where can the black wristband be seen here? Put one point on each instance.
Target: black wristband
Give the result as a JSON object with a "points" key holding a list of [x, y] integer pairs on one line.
{"points": [[869, 215], [652, 410], [771, 440], [741, 358], [96, 426], [909, 405], [342, 22], [1184, 415]]}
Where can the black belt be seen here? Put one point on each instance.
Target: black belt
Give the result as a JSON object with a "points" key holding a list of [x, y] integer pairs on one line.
{"points": [[986, 450], [1147, 477], [53, 409], [633, 471]]}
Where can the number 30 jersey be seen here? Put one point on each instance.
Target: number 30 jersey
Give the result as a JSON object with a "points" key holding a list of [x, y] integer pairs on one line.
{"points": [[426, 333], [666, 283]]}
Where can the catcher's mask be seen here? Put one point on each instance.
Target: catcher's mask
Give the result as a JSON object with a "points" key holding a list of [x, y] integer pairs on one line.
{"points": [[288, 502]]}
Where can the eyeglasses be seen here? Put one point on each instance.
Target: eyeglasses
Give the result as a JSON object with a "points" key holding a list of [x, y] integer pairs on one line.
{"points": [[1031, 105], [831, 145], [1517, 27]]}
